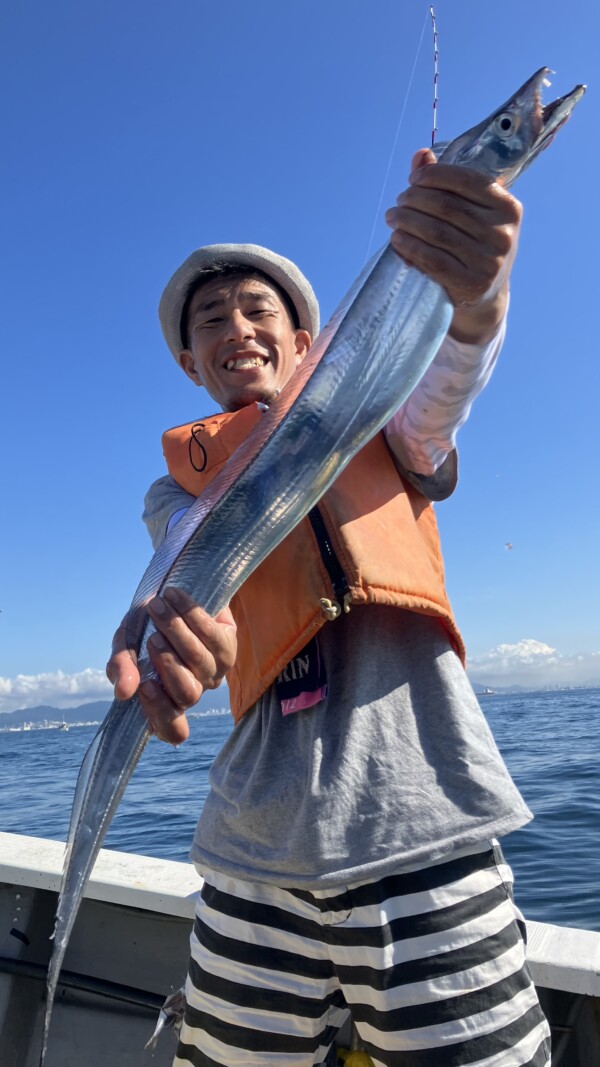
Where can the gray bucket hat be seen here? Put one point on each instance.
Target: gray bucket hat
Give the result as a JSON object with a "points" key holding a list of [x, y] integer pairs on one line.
{"points": [[283, 272]]}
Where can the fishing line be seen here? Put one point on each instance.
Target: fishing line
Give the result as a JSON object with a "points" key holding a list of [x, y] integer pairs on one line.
{"points": [[435, 74], [410, 81]]}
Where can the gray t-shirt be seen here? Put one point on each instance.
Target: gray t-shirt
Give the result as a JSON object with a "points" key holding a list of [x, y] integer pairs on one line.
{"points": [[396, 765]]}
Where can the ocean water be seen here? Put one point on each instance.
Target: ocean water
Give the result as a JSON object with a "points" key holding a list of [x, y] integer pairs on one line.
{"points": [[550, 741]]}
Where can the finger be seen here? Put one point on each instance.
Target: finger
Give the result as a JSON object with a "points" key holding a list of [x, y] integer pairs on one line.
{"points": [[120, 646], [424, 157], [206, 645], [470, 184], [123, 674], [119, 641], [481, 254], [121, 668], [177, 679], [166, 722], [225, 617], [481, 223], [463, 285]]}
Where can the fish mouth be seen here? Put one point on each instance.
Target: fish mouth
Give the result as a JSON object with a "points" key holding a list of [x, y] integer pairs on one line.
{"points": [[514, 134], [547, 119]]}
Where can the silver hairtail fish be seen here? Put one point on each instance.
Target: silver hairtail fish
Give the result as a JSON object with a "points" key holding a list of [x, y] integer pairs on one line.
{"points": [[361, 368], [170, 1017]]}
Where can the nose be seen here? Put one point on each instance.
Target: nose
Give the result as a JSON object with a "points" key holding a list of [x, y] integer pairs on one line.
{"points": [[239, 328]]}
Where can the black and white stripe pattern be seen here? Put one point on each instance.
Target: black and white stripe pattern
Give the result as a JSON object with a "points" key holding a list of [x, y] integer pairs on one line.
{"points": [[430, 962]]}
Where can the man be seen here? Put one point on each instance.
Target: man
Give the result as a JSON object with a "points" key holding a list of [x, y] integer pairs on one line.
{"points": [[347, 844]]}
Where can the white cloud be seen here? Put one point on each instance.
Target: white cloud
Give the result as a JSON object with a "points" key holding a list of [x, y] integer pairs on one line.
{"points": [[529, 663], [533, 664], [57, 689]]}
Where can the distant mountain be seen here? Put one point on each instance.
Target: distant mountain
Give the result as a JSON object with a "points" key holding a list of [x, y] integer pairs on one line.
{"points": [[96, 710], [83, 713]]}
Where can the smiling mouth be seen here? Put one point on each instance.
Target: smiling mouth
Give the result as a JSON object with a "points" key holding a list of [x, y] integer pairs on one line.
{"points": [[246, 362]]}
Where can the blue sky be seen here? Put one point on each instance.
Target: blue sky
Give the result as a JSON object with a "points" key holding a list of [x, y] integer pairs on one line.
{"points": [[136, 132]]}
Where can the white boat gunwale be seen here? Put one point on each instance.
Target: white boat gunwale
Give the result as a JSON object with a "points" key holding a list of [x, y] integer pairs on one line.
{"points": [[125, 878], [560, 957]]}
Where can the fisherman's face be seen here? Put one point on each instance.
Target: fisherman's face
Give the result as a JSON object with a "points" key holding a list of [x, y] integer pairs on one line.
{"points": [[242, 344]]}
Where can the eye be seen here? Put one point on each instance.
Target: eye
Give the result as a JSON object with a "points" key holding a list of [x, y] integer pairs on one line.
{"points": [[505, 124]]}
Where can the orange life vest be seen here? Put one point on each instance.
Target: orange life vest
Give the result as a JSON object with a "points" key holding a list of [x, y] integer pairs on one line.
{"points": [[382, 531]]}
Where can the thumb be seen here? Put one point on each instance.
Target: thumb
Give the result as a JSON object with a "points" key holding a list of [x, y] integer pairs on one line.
{"points": [[423, 158], [123, 673]]}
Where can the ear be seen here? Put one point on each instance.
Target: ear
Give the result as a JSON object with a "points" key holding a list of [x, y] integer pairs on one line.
{"points": [[187, 364], [303, 343]]}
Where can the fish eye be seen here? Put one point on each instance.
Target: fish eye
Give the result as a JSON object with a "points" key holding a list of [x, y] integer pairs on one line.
{"points": [[505, 124]]}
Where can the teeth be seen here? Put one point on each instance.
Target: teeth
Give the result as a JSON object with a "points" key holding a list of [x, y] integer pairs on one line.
{"points": [[245, 361]]}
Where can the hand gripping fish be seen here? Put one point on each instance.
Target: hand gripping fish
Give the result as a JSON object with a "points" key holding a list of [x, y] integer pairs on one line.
{"points": [[362, 367]]}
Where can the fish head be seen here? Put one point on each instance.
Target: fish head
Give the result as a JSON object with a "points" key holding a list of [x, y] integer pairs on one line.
{"points": [[505, 143]]}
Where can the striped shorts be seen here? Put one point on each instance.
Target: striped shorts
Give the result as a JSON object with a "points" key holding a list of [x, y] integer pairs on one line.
{"points": [[429, 962]]}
